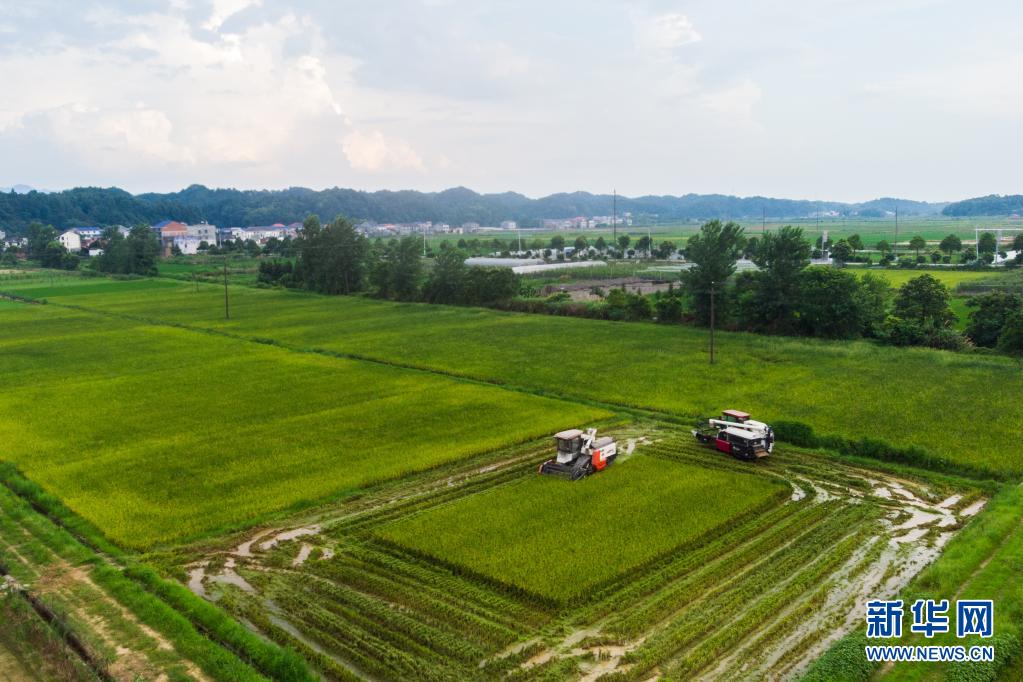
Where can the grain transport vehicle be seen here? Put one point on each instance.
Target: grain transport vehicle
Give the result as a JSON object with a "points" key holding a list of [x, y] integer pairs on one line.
{"points": [[737, 435]]}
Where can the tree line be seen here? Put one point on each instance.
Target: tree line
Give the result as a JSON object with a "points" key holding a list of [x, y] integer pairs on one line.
{"points": [[337, 259], [788, 296]]}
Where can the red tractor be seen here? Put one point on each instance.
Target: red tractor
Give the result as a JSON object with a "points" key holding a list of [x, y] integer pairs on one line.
{"points": [[737, 435]]}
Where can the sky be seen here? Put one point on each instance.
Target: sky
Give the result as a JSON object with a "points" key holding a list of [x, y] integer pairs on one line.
{"points": [[819, 99]]}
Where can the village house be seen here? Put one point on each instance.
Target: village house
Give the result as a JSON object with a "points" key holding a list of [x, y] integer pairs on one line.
{"points": [[71, 241]]}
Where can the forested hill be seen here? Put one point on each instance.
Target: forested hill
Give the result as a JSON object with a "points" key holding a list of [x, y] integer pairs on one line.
{"points": [[992, 204], [230, 207], [85, 207]]}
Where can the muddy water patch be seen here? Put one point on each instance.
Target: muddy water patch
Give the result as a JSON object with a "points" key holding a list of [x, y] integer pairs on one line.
{"points": [[289, 535]]}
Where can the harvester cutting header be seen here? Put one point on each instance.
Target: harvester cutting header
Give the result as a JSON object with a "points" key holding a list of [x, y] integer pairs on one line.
{"points": [[737, 435]]}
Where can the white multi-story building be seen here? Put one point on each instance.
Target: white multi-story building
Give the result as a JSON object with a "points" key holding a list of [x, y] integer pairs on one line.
{"points": [[509, 225], [71, 241], [204, 232], [189, 246]]}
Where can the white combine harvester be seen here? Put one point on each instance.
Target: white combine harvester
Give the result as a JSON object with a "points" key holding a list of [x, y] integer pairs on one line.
{"points": [[737, 435], [580, 454]]}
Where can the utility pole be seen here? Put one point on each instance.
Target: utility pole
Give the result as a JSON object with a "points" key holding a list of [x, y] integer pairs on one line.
{"points": [[227, 302], [424, 242], [895, 246], [520, 239], [819, 235], [614, 218], [712, 323]]}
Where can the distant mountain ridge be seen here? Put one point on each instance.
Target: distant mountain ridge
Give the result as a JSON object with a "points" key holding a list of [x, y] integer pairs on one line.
{"points": [[231, 207], [18, 189], [992, 204]]}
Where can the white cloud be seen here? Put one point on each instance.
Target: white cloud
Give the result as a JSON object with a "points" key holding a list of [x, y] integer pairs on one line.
{"points": [[665, 33], [160, 93], [735, 102], [373, 152], [224, 10], [138, 131]]}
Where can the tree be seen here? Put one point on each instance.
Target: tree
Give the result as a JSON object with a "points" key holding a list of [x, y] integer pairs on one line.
{"points": [[665, 249], [924, 301], [557, 242], [713, 252], [57, 257], [991, 312], [668, 306], [486, 286], [39, 238], [406, 269], [275, 272], [951, 244], [447, 278], [638, 307], [749, 249], [135, 254], [935, 256], [875, 296], [623, 242], [143, 250], [772, 294], [332, 259], [987, 244], [600, 244], [580, 243], [643, 244], [842, 251], [829, 304], [1017, 243], [884, 247], [855, 242], [917, 243], [1011, 338]]}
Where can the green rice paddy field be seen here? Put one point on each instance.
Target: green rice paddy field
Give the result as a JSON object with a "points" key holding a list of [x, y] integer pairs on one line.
{"points": [[950, 278], [906, 397], [524, 533], [871, 230], [158, 434], [161, 422]]}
